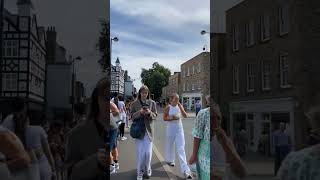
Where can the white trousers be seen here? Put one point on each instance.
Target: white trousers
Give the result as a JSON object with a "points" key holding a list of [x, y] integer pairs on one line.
{"points": [[175, 137], [144, 154]]}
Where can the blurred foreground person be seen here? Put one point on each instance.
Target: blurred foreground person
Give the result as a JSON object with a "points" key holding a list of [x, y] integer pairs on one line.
{"points": [[13, 157], [86, 152], [225, 160], [34, 139]]}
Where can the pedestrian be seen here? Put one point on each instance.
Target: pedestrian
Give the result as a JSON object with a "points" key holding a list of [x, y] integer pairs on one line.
{"points": [[282, 144], [225, 160], [113, 134], [198, 107], [128, 104], [123, 116], [144, 108], [57, 144], [34, 138], [86, 144], [304, 164], [173, 115], [201, 144]]}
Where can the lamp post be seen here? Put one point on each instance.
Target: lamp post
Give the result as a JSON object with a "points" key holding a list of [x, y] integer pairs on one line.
{"points": [[115, 39], [73, 80]]}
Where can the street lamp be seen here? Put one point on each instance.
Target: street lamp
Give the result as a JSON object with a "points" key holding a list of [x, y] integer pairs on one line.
{"points": [[73, 80], [115, 39]]}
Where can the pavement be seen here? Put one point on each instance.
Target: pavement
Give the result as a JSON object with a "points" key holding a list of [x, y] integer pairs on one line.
{"points": [[127, 162], [260, 168]]}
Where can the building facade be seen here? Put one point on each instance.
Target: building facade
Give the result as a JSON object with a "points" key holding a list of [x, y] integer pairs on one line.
{"points": [[267, 68], [58, 92], [23, 67], [195, 80], [117, 79], [128, 88]]}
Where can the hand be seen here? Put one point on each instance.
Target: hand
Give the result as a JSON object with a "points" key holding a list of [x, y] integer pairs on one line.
{"points": [[193, 159], [174, 117], [147, 111], [102, 157]]}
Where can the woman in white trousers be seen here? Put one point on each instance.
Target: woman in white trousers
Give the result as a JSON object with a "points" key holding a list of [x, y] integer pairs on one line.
{"points": [[175, 135], [144, 107]]}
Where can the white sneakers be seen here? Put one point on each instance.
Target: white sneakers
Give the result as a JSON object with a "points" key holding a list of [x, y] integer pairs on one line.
{"points": [[112, 169], [116, 165], [187, 175], [140, 176], [123, 138], [171, 164]]}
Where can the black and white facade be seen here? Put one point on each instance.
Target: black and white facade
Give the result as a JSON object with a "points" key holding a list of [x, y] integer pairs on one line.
{"points": [[117, 79], [23, 66]]}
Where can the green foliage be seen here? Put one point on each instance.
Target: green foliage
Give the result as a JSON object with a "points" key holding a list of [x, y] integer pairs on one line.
{"points": [[156, 78]]}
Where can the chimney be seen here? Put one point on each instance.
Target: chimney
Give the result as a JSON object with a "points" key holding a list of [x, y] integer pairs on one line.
{"points": [[51, 44]]}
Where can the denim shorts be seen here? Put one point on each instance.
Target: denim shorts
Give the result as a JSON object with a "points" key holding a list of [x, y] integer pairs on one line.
{"points": [[113, 138]]}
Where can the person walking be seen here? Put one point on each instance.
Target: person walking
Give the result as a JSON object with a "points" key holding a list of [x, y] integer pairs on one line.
{"points": [[119, 101], [198, 107], [173, 115], [144, 108], [282, 144], [113, 134], [34, 138], [86, 144]]}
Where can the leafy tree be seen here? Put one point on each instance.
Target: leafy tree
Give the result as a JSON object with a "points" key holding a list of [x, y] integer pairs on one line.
{"points": [[103, 45], [156, 78]]}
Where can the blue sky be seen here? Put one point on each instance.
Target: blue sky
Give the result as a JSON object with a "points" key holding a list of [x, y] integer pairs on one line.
{"points": [[165, 31]]}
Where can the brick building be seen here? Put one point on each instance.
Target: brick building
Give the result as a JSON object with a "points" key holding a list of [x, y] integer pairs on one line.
{"points": [[271, 57], [195, 80], [172, 87]]}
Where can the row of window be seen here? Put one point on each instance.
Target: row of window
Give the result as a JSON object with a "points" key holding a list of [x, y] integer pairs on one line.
{"points": [[265, 28], [265, 75], [191, 70], [192, 86]]}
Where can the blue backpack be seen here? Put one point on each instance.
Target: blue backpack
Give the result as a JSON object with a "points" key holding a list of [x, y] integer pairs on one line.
{"points": [[137, 129]]}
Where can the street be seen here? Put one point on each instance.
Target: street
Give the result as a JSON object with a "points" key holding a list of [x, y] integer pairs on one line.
{"points": [[159, 138]]}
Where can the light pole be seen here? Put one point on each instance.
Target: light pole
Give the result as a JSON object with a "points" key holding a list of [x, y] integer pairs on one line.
{"points": [[73, 80], [115, 39]]}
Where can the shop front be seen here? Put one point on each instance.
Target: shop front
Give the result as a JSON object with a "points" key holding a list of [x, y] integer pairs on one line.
{"points": [[189, 100], [259, 120]]}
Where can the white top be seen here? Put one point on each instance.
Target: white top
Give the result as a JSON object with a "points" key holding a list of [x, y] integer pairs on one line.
{"points": [[35, 135], [174, 111], [122, 108]]}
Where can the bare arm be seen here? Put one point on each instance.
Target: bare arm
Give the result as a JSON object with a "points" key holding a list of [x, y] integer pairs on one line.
{"points": [[183, 112], [114, 110], [166, 116], [196, 144]]}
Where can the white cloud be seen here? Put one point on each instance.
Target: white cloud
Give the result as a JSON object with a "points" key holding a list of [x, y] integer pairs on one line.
{"points": [[173, 14]]}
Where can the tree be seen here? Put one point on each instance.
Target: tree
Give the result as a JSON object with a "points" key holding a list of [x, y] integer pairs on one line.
{"points": [[156, 78], [103, 45]]}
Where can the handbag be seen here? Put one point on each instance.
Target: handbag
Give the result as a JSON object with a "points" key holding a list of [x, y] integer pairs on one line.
{"points": [[137, 129]]}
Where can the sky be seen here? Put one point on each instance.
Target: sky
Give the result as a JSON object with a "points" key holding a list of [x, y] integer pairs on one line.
{"points": [[77, 25], [163, 31]]}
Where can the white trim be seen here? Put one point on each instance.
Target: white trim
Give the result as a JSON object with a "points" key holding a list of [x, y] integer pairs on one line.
{"points": [[235, 78], [265, 23], [268, 75], [282, 18], [281, 71]]}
